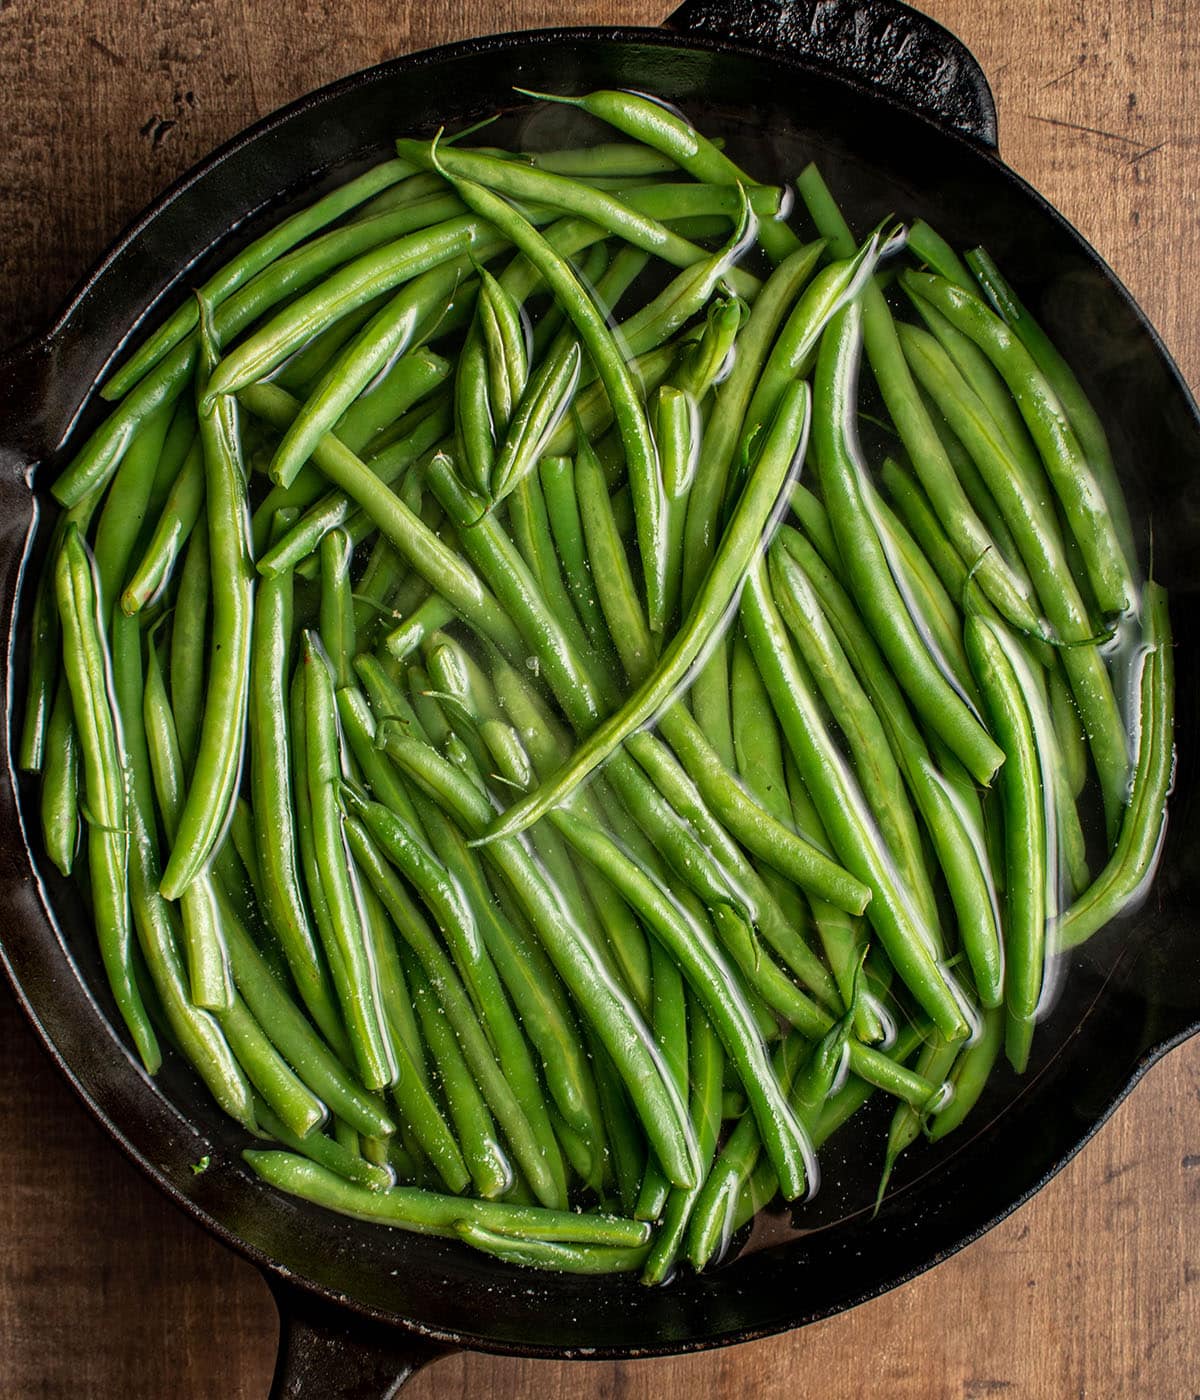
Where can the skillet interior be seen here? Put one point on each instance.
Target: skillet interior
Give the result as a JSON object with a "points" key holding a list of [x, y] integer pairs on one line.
{"points": [[1119, 1008]]}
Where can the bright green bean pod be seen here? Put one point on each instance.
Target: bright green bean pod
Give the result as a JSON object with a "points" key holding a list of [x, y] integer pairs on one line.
{"points": [[385, 337], [545, 401], [673, 137], [442, 566], [171, 534], [715, 987], [263, 251], [426, 1212], [738, 547], [614, 1018], [87, 667], [204, 947], [1143, 826], [723, 429], [270, 743], [542, 187], [297, 1106], [337, 628], [840, 806], [640, 454], [60, 782], [353, 973], [1072, 475], [214, 778], [970, 1076], [935, 1061], [491, 1170], [1062, 379], [189, 643], [957, 839], [1026, 792], [842, 473], [1038, 537], [912, 422]]}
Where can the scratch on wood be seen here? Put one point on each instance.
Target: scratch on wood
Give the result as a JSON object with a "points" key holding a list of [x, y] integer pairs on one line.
{"points": [[1149, 151], [1191, 1160], [1090, 130], [977, 1386], [111, 54], [1058, 77]]}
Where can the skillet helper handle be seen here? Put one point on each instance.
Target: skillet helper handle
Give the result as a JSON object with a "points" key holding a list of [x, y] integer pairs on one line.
{"points": [[326, 1353], [882, 43]]}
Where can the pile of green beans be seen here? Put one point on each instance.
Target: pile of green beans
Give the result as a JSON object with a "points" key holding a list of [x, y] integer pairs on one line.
{"points": [[539, 819]]}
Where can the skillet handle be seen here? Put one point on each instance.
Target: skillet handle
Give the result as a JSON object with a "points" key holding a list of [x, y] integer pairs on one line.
{"points": [[326, 1353], [882, 43]]}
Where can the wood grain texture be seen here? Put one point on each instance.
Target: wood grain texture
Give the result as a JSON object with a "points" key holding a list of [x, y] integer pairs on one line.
{"points": [[1091, 1289]]}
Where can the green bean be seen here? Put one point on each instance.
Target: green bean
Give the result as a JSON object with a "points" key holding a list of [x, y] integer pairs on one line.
{"points": [[1068, 730], [724, 425], [429, 1213], [802, 580], [610, 159], [102, 453], [1080, 494], [195, 1031], [86, 664], [641, 457], [189, 642], [707, 1067], [421, 1118], [842, 473], [337, 628], [912, 422], [263, 251], [491, 1171], [858, 716], [559, 192], [408, 386], [270, 743], [935, 1061], [378, 270], [326, 1152], [546, 399], [986, 383], [715, 987], [673, 137], [434, 613], [762, 834], [501, 1074], [676, 428], [841, 809], [528, 977], [204, 947], [1082, 417], [738, 546], [1040, 543], [125, 505], [616, 1022], [384, 339], [929, 247], [794, 350], [970, 1074], [440, 565], [336, 507], [353, 974], [212, 788], [171, 534], [298, 1108], [1006, 686], [1143, 826], [292, 1035], [60, 782]]}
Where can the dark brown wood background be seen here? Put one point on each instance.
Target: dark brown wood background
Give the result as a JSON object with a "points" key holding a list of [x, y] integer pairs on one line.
{"points": [[105, 1290]]}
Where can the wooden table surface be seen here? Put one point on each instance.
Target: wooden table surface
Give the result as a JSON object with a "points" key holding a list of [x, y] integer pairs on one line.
{"points": [[105, 1290]]}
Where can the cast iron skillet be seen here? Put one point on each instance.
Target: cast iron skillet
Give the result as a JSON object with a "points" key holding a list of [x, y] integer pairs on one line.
{"points": [[902, 120]]}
